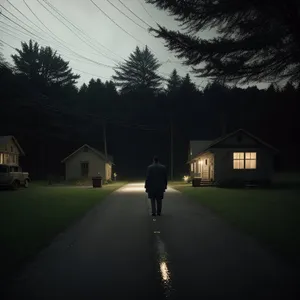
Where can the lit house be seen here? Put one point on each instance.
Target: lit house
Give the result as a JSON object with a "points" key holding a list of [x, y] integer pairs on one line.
{"points": [[10, 150], [87, 162], [239, 156]]}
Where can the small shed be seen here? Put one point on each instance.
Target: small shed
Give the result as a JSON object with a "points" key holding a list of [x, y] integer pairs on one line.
{"points": [[239, 156], [87, 162]]}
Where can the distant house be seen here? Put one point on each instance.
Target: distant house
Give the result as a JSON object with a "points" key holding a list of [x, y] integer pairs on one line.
{"points": [[10, 150], [87, 162], [239, 156]]}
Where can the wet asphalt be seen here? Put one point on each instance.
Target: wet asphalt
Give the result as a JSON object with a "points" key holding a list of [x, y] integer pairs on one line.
{"points": [[119, 251]]}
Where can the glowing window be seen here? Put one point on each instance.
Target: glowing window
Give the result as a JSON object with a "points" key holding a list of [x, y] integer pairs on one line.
{"points": [[244, 160], [238, 160], [250, 160]]}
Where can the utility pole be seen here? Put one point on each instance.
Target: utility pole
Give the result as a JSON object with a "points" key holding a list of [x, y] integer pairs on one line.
{"points": [[104, 140], [172, 148]]}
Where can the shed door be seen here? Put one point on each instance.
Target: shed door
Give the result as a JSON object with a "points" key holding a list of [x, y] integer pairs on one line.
{"points": [[85, 169]]}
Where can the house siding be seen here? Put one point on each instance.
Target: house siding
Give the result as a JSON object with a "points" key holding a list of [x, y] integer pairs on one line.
{"points": [[8, 156], [224, 165], [96, 165], [198, 170]]}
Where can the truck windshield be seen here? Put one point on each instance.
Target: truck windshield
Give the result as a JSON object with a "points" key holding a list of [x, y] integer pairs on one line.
{"points": [[3, 169]]}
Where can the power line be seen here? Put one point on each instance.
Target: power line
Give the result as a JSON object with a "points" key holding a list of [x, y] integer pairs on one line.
{"points": [[88, 42], [69, 28], [25, 17], [119, 10], [18, 24], [79, 29], [141, 2], [7, 44], [130, 20], [32, 34], [78, 70], [40, 37], [12, 34], [17, 18], [134, 14], [103, 12]]}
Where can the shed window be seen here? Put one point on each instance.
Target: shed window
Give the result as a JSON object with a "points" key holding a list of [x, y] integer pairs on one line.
{"points": [[192, 167], [244, 160]]}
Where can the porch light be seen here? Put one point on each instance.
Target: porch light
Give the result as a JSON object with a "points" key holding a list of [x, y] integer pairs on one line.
{"points": [[186, 178]]}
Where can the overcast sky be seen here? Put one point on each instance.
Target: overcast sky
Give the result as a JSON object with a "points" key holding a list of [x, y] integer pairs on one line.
{"points": [[106, 42]]}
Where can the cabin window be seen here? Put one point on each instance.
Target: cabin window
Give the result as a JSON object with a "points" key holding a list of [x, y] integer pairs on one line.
{"points": [[238, 160], [250, 160], [192, 167], [244, 160], [1, 158]]}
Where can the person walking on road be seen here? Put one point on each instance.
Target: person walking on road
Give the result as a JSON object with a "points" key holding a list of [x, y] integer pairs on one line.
{"points": [[156, 184]]}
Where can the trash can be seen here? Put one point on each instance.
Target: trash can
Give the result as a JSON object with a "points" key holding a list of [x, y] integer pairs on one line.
{"points": [[97, 182], [196, 182]]}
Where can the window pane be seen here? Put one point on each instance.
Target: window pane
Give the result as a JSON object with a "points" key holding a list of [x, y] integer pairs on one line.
{"points": [[235, 164], [248, 164], [251, 164], [192, 167], [248, 155], [238, 155], [253, 155], [238, 164], [242, 165]]}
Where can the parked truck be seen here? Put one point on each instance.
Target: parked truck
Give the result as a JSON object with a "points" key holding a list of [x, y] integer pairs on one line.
{"points": [[13, 177]]}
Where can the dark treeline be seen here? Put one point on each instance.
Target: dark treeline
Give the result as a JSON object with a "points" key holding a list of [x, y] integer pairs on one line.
{"points": [[51, 117]]}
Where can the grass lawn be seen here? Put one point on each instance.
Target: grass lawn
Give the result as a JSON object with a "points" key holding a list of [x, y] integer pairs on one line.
{"points": [[270, 215], [31, 218]]}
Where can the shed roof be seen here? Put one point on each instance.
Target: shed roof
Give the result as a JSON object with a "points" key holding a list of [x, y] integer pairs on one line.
{"points": [[101, 154]]}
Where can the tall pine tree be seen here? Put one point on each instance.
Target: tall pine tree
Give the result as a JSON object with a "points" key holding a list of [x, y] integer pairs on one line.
{"points": [[44, 66], [255, 41], [138, 72]]}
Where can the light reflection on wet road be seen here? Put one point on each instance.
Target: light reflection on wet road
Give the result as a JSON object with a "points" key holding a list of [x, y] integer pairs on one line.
{"points": [[119, 251]]}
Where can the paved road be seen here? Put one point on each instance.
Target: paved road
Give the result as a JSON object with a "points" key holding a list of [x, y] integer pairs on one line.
{"points": [[118, 251]]}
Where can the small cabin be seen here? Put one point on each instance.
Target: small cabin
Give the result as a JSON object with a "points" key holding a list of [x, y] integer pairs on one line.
{"points": [[238, 156]]}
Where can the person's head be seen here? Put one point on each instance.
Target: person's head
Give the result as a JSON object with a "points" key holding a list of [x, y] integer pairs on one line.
{"points": [[155, 159]]}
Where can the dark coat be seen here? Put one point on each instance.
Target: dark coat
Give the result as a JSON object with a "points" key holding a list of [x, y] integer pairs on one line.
{"points": [[156, 180]]}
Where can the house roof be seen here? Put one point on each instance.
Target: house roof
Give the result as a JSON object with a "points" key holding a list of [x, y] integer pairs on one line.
{"points": [[6, 138], [102, 155], [197, 147], [217, 141]]}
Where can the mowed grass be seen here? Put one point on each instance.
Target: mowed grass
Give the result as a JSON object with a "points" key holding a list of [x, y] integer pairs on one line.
{"points": [[272, 216], [31, 218]]}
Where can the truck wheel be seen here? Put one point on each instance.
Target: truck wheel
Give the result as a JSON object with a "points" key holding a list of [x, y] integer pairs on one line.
{"points": [[26, 183], [15, 185]]}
